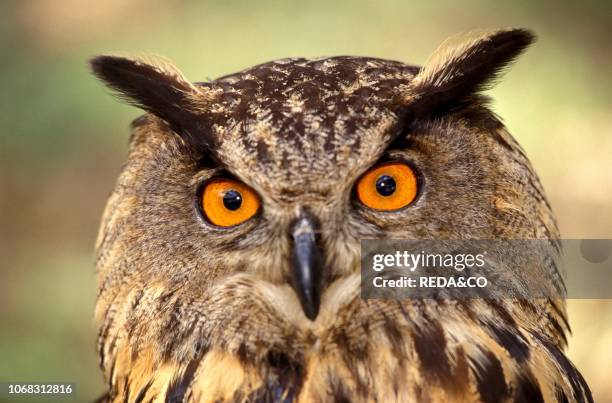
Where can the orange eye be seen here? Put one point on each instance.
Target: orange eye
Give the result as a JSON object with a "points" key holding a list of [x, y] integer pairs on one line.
{"points": [[388, 186], [227, 202]]}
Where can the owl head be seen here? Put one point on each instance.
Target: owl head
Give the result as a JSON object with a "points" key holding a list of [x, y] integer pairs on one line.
{"points": [[236, 221]]}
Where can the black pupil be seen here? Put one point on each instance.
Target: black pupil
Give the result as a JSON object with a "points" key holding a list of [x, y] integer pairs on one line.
{"points": [[232, 200], [385, 185]]}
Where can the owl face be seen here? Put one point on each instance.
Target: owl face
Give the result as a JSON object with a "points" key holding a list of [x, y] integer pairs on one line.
{"points": [[228, 255], [272, 176]]}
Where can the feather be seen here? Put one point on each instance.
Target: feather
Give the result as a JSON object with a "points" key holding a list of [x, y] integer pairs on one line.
{"points": [[463, 66]]}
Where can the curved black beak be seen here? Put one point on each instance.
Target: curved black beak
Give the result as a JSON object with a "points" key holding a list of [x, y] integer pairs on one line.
{"points": [[306, 265]]}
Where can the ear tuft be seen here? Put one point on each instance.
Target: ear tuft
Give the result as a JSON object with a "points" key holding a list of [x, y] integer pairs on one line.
{"points": [[154, 85], [464, 65]]}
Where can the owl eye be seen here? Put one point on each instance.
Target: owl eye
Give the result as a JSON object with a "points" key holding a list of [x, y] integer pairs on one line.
{"points": [[387, 186], [228, 202]]}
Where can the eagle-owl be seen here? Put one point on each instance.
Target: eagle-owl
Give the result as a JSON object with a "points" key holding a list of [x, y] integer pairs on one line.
{"points": [[228, 258]]}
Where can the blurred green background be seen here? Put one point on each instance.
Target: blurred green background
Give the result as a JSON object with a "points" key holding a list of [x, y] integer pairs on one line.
{"points": [[63, 138]]}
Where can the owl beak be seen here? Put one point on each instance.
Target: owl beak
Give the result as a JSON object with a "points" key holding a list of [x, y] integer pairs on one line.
{"points": [[306, 266]]}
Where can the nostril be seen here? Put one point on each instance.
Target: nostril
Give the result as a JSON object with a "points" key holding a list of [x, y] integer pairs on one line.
{"points": [[305, 215]]}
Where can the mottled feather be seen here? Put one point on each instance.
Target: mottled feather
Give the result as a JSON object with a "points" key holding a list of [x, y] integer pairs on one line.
{"points": [[189, 312]]}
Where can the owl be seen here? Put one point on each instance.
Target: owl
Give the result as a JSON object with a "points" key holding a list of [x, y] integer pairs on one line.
{"points": [[228, 259]]}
